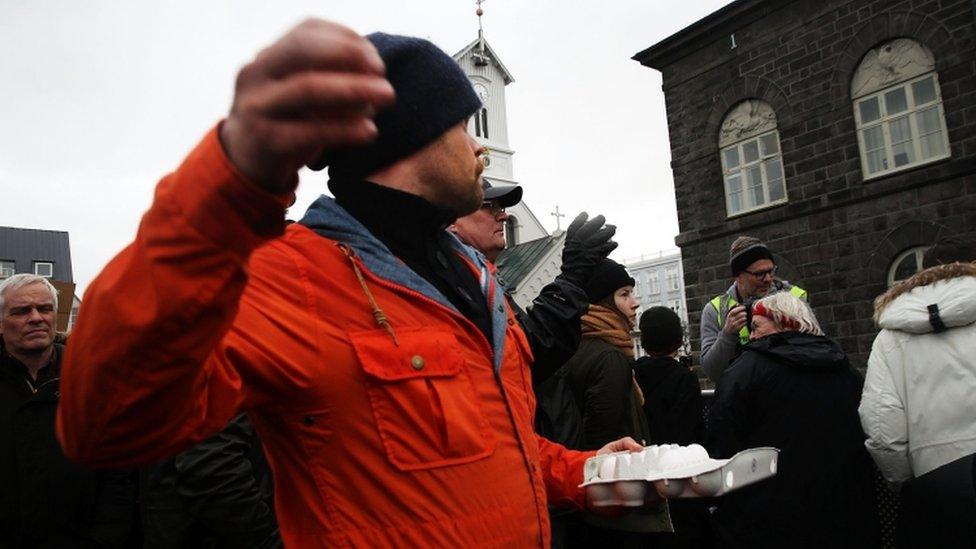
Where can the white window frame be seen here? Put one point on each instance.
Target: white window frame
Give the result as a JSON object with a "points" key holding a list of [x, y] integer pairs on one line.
{"points": [[917, 251], [671, 273], [675, 306], [48, 264], [761, 160], [7, 269], [885, 120], [655, 281]]}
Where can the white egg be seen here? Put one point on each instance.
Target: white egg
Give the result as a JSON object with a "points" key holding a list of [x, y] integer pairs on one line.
{"points": [[607, 468]]}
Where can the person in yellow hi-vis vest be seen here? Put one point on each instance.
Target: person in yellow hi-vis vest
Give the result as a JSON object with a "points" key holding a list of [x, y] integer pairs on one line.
{"points": [[724, 328]]}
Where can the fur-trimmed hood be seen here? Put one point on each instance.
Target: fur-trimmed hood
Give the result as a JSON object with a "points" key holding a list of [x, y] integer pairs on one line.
{"points": [[905, 306]]}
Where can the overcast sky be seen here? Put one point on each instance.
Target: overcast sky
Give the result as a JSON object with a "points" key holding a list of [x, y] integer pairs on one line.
{"points": [[99, 99]]}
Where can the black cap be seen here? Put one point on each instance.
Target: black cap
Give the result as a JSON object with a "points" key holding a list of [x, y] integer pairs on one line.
{"points": [[507, 195]]}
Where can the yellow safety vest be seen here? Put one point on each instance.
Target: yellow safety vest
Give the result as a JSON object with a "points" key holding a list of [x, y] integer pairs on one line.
{"points": [[723, 308]]}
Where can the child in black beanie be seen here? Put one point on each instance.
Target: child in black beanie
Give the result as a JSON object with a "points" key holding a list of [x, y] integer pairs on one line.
{"points": [[673, 406]]}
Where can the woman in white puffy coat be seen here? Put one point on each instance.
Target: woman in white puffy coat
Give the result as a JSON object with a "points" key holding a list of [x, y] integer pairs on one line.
{"points": [[919, 396]]}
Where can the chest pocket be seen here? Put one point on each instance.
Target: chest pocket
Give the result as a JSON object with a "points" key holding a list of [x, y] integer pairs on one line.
{"points": [[423, 399]]}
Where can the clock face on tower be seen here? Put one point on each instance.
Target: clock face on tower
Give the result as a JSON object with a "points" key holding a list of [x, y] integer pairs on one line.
{"points": [[482, 91]]}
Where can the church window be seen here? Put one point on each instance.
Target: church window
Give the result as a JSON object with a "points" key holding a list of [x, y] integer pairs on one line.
{"points": [[481, 123], [906, 264], [898, 109], [511, 231], [752, 162]]}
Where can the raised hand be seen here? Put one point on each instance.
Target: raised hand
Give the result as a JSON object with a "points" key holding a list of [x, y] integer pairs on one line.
{"points": [[588, 241], [316, 88]]}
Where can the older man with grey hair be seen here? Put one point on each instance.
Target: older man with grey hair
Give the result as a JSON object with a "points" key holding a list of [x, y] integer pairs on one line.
{"points": [[46, 500]]}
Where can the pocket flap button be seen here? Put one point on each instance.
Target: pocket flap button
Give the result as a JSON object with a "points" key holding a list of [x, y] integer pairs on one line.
{"points": [[417, 362]]}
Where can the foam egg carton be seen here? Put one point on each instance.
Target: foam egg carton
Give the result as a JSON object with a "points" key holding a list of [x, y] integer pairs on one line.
{"points": [[623, 478]]}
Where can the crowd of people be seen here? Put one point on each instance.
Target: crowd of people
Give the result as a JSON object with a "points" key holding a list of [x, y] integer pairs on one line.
{"points": [[401, 396]]}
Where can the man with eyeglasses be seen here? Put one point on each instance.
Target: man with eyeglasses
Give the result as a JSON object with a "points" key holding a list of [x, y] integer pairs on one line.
{"points": [[484, 229], [552, 323], [724, 319]]}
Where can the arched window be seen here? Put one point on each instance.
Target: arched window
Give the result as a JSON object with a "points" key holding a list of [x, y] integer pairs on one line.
{"points": [[511, 231], [752, 164], [481, 123], [906, 264], [898, 108]]}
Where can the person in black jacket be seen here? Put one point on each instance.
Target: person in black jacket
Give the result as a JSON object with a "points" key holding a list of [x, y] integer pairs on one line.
{"points": [[793, 389], [45, 500], [673, 407], [672, 395], [216, 494]]}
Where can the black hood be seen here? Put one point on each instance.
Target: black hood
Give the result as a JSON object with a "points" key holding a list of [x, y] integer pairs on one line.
{"points": [[802, 351]]}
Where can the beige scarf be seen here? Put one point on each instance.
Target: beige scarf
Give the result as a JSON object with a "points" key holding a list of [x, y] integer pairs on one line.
{"points": [[610, 325]]}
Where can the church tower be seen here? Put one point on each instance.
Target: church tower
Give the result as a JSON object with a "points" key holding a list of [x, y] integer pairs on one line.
{"points": [[489, 126]]}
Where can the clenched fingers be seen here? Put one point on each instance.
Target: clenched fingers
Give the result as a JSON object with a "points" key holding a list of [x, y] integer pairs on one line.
{"points": [[319, 95], [319, 45]]}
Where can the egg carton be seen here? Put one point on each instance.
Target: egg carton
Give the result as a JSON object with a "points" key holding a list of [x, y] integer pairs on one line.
{"points": [[623, 478]]}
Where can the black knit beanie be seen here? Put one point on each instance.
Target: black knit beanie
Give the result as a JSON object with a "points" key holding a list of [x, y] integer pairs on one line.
{"points": [[661, 332], [607, 277], [432, 95], [745, 251]]}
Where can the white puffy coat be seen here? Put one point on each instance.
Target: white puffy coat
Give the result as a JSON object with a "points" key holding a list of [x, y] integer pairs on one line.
{"points": [[918, 408]]}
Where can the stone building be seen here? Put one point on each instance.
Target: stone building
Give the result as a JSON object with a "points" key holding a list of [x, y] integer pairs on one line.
{"points": [[842, 132]]}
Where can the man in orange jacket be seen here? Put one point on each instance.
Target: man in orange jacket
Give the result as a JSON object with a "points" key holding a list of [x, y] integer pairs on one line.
{"points": [[374, 353]]}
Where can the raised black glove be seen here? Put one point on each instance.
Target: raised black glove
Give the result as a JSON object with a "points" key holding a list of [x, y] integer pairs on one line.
{"points": [[587, 243]]}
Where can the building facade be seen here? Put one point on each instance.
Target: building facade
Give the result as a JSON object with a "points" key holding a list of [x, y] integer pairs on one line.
{"points": [[658, 281], [841, 132]]}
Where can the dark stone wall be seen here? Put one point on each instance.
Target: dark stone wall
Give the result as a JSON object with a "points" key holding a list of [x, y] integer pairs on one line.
{"points": [[838, 233]]}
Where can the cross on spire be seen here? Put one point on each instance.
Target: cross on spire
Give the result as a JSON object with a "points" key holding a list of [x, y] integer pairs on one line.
{"points": [[481, 36], [557, 215]]}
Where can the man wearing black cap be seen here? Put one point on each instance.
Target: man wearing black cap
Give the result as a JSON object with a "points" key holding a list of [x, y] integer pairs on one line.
{"points": [[552, 323], [484, 229], [724, 327], [373, 352]]}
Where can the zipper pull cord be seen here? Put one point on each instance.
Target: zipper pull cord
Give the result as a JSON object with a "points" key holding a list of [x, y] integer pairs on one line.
{"points": [[378, 313]]}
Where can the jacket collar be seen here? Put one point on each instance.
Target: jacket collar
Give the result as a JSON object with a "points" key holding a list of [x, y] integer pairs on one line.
{"points": [[327, 218]]}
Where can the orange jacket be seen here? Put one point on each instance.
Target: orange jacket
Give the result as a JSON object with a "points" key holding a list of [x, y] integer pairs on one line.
{"points": [[387, 417]]}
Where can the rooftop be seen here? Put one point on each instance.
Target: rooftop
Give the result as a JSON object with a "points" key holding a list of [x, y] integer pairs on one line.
{"points": [[515, 263]]}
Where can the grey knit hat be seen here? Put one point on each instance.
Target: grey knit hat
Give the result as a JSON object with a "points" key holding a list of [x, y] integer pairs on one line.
{"points": [[432, 95], [745, 251]]}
